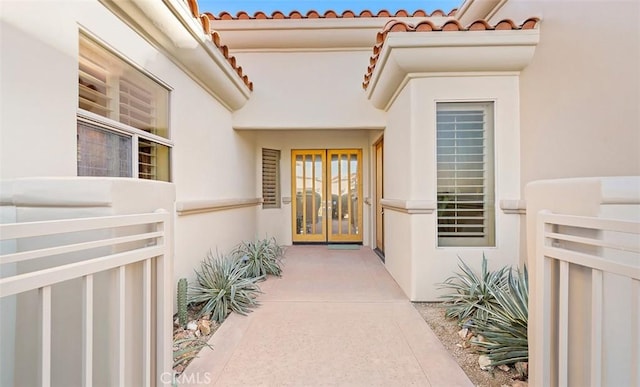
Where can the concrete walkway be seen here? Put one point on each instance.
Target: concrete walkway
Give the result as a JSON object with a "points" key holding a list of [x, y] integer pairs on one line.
{"points": [[335, 318]]}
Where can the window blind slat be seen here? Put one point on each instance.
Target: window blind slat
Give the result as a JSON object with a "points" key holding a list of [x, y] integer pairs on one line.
{"points": [[128, 98], [462, 168], [270, 178]]}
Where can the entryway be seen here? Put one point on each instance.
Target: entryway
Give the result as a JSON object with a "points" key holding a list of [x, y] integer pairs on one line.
{"points": [[335, 318], [328, 195]]}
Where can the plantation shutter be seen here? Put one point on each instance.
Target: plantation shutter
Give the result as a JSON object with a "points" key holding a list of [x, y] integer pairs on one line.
{"points": [[112, 88], [136, 108], [93, 90], [270, 178], [465, 174]]}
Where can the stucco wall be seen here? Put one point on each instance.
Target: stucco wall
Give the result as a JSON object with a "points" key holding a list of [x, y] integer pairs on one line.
{"points": [[315, 90], [415, 261], [39, 101], [581, 93], [397, 182]]}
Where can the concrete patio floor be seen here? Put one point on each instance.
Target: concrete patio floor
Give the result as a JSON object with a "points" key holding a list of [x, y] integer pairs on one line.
{"points": [[336, 317]]}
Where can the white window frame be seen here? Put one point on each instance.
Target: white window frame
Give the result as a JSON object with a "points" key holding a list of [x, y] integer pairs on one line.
{"points": [[120, 128], [489, 178]]}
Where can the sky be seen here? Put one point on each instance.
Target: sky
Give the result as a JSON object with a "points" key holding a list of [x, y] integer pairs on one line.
{"points": [[303, 6]]}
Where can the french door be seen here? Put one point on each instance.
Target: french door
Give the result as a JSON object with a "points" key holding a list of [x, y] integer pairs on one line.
{"points": [[328, 195]]}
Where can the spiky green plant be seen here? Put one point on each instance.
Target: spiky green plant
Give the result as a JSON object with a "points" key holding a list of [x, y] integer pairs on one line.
{"points": [[471, 295], [186, 349], [222, 286], [261, 257], [505, 328], [182, 301]]}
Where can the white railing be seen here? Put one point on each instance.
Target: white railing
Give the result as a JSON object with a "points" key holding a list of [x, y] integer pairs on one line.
{"points": [[119, 243], [587, 327]]}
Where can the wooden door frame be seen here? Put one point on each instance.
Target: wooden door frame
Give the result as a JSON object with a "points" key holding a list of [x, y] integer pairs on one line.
{"points": [[378, 193], [294, 210], [326, 236], [341, 237]]}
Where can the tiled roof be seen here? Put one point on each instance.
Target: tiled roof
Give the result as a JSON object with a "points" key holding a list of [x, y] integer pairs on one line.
{"points": [[427, 26], [215, 37], [330, 14]]}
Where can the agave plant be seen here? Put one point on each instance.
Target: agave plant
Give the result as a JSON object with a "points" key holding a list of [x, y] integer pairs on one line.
{"points": [[261, 257], [471, 295], [505, 329], [222, 286], [186, 349]]}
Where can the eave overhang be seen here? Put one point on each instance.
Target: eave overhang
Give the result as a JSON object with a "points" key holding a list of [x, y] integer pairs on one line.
{"points": [[306, 34], [406, 55], [171, 26]]}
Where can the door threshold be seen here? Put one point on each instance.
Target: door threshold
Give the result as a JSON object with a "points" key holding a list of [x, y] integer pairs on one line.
{"points": [[344, 246], [359, 244]]}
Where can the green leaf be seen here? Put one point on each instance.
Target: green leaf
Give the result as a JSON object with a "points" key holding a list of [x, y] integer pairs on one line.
{"points": [[222, 287]]}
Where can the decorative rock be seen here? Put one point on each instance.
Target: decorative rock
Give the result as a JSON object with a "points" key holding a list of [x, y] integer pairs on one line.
{"points": [[192, 326], [463, 333], [523, 369], [480, 339], [466, 344], [204, 326], [485, 362], [519, 383], [504, 367], [180, 336]]}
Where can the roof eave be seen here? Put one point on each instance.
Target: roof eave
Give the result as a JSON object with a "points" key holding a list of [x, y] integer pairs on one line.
{"points": [[472, 10], [170, 26], [322, 33], [412, 55]]}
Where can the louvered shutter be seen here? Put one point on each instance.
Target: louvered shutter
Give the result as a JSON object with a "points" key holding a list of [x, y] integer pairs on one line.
{"points": [[270, 178], [93, 89], [111, 87], [465, 174]]}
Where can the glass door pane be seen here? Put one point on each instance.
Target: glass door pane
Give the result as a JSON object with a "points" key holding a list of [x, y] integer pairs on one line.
{"points": [[346, 195], [309, 202]]}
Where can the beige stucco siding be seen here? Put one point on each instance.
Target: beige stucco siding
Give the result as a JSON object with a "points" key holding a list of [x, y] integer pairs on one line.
{"points": [[312, 89], [580, 96]]}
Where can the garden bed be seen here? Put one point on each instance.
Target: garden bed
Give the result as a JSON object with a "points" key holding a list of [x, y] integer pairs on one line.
{"points": [[447, 331]]}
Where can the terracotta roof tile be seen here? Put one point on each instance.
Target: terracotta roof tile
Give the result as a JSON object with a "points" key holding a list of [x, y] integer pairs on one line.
{"points": [[205, 22], [452, 25], [426, 26], [330, 14]]}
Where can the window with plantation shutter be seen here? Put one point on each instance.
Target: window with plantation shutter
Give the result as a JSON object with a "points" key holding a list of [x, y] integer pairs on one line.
{"points": [[270, 178], [122, 117], [465, 174]]}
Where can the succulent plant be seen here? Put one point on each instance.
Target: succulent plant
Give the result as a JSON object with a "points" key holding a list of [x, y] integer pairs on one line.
{"points": [[222, 286], [261, 257], [471, 295], [505, 328], [182, 302]]}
